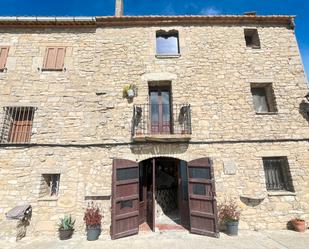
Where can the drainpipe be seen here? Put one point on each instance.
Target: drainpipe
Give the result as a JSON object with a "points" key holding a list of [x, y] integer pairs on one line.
{"points": [[119, 8]]}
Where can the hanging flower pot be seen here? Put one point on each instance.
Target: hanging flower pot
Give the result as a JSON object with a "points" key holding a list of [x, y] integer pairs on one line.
{"points": [[129, 91]]}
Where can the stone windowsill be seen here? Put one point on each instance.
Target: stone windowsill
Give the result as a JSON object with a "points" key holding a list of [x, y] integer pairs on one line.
{"points": [[254, 47], [281, 193], [167, 56], [162, 137], [266, 113], [48, 198]]}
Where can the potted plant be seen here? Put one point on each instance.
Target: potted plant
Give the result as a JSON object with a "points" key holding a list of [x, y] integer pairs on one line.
{"points": [[93, 219], [66, 227], [299, 225], [229, 214]]}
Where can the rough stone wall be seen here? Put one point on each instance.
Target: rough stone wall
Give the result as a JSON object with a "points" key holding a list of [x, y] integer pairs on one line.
{"points": [[83, 105]]}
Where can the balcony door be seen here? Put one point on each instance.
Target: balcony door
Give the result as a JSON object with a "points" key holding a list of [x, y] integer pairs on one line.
{"points": [[160, 110]]}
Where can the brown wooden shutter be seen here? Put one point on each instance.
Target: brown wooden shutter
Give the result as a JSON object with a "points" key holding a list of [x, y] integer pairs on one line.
{"points": [[50, 57], [60, 58], [125, 198], [202, 201], [3, 56], [54, 58]]}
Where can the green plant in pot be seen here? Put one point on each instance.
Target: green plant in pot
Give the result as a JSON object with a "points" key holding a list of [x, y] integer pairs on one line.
{"points": [[229, 213], [66, 227], [93, 219]]}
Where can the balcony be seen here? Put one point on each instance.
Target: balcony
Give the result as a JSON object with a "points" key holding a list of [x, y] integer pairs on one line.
{"points": [[161, 122]]}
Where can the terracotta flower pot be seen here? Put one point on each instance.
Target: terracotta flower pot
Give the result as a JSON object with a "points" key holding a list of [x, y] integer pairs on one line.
{"points": [[299, 225]]}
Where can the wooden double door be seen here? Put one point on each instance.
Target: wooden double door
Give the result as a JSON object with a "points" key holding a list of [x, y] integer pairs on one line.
{"points": [[133, 196]]}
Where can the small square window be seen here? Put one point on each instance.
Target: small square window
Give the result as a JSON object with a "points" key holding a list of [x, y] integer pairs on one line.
{"points": [[277, 174], [263, 98], [49, 185], [167, 43], [252, 38]]}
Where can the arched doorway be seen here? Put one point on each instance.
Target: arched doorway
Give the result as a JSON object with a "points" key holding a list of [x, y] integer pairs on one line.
{"points": [[185, 190]]}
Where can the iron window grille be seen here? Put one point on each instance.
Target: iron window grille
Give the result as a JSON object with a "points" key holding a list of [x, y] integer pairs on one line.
{"points": [[17, 124], [277, 174]]}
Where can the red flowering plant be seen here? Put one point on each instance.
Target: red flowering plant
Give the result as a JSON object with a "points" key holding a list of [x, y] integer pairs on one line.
{"points": [[92, 216], [229, 211]]}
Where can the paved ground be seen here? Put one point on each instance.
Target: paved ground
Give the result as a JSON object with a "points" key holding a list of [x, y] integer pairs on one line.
{"points": [[173, 240]]}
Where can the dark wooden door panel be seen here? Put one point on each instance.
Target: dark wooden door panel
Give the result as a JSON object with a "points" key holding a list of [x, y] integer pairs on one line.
{"points": [[125, 198], [202, 202]]}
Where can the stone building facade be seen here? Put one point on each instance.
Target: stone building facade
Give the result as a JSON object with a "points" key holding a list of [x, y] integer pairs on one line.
{"points": [[82, 121]]}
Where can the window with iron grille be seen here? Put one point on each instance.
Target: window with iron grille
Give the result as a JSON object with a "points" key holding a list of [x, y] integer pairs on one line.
{"points": [[49, 185], [17, 124], [277, 174]]}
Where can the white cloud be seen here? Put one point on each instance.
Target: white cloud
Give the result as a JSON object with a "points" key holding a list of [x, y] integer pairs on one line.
{"points": [[210, 11]]}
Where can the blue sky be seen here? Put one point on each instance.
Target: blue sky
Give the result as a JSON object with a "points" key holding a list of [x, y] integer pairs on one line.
{"points": [[300, 8]]}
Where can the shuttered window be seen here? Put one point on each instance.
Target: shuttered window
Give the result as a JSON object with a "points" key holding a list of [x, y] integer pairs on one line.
{"points": [[17, 125], [54, 58], [277, 174], [3, 57]]}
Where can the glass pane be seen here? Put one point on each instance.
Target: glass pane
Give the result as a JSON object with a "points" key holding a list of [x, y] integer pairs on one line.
{"points": [[127, 174], [167, 44], [166, 105], [154, 107], [199, 189], [200, 173], [260, 99], [126, 204]]}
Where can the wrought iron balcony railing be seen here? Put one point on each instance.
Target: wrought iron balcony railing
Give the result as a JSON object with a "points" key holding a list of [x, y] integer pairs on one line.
{"points": [[161, 119]]}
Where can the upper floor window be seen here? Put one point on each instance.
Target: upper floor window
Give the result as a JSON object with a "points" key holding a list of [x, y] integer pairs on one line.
{"points": [[263, 98], [3, 57], [277, 174], [252, 38], [167, 42], [54, 58], [17, 124]]}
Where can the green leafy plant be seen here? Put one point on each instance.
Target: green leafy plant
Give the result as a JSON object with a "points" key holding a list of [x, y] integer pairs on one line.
{"points": [[66, 223]]}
